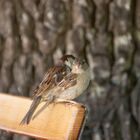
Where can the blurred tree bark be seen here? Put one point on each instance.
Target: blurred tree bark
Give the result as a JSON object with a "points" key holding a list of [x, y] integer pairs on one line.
{"points": [[35, 33]]}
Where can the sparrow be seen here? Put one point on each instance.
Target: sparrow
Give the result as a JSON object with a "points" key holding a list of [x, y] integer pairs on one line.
{"points": [[66, 81], [51, 78]]}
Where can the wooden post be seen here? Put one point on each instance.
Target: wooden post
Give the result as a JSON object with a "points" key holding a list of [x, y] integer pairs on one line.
{"points": [[60, 121]]}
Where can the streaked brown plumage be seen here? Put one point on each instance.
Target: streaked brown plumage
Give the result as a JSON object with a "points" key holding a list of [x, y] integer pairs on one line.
{"points": [[66, 81], [53, 76]]}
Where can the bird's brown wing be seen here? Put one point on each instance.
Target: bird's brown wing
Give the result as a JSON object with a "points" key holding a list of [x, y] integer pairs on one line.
{"points": [[50, 80], [68, 81]]}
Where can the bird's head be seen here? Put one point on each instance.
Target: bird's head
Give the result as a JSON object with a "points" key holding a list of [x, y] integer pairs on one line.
{"points": [[68, 60], [79, 66]]}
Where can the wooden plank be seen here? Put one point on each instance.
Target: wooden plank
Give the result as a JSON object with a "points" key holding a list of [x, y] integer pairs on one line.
{"points": [[58, 121]]}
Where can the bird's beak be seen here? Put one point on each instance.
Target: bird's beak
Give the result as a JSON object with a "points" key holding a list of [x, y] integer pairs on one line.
{"points": [[78, 64]]}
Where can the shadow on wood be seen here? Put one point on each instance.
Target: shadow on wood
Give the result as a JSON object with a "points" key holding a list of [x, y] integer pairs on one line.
{"points": [[60, 121]]}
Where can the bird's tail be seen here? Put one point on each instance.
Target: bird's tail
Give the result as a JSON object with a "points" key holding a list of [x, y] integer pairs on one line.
{"points": [[27, 118]]}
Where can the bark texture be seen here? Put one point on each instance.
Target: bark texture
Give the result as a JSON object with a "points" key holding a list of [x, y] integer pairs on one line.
{"points": [[35, 33]]}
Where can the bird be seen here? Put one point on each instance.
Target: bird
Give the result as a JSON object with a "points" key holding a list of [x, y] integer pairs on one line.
{"points": [[66, 81], [51, 78]]}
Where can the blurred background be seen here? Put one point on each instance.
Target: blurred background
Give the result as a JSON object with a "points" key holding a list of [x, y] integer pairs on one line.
{"points": [[35, 33]]}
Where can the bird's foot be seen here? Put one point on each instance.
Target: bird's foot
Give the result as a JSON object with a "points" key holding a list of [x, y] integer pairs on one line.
{"points": [[67, 102]]}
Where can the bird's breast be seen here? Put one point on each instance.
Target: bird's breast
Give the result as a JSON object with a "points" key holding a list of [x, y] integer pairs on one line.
{"points": [[76, 90]]}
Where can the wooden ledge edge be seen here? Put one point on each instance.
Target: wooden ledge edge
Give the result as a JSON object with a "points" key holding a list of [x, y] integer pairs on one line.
{"points": [[63, 120]]}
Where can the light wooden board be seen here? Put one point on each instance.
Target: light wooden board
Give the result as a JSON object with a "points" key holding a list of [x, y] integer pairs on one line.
{"points": [[60, 121]]}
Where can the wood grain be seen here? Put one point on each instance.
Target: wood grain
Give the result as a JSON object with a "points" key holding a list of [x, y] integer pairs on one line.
{"points": [[59, 121]]}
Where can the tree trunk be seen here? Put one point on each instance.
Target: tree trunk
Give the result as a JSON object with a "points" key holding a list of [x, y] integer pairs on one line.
{"points": [[35, 33]]}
